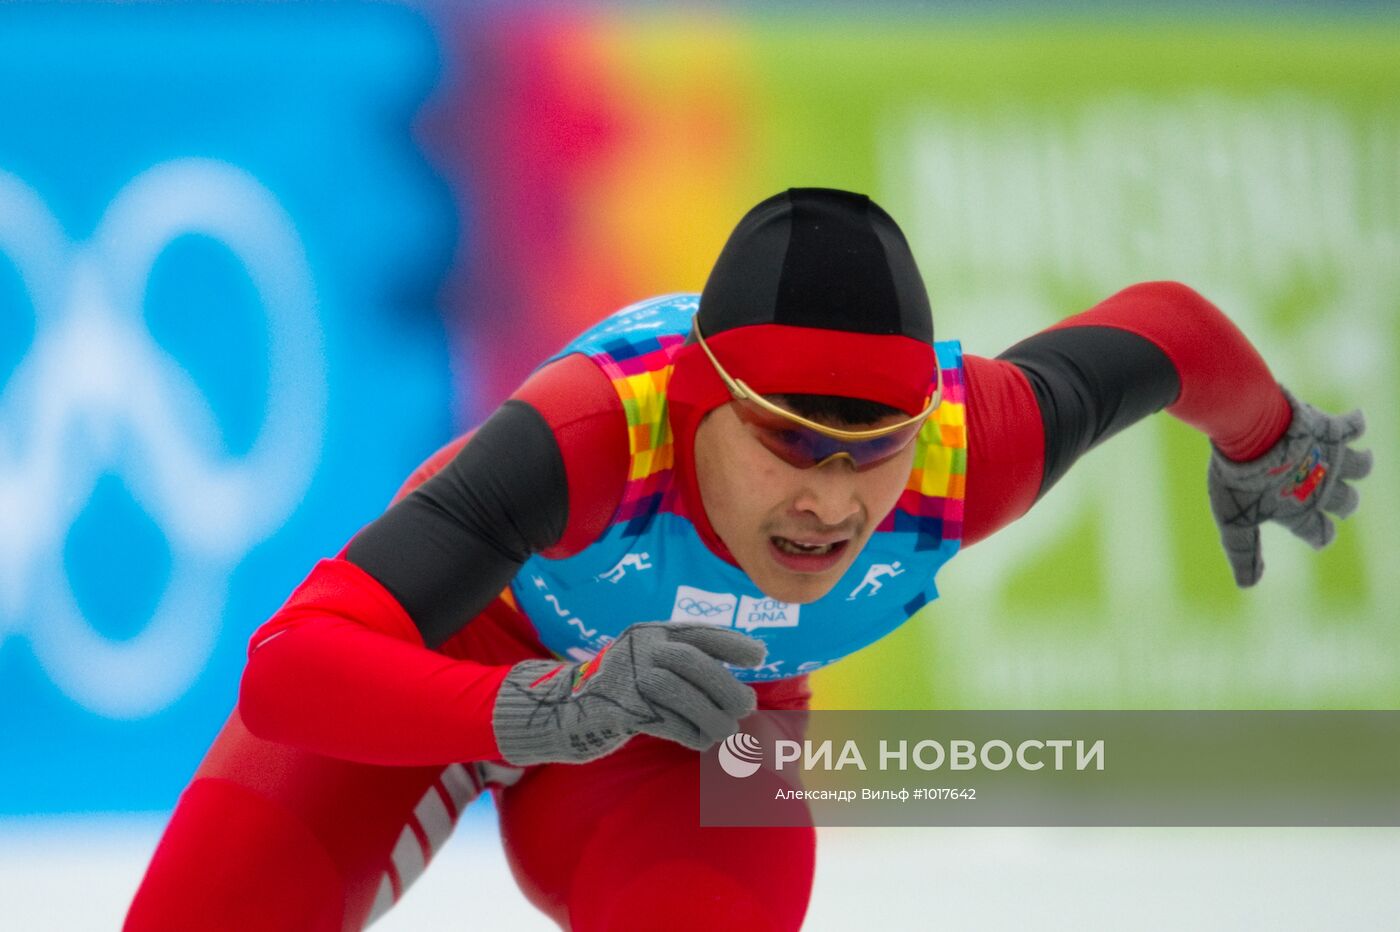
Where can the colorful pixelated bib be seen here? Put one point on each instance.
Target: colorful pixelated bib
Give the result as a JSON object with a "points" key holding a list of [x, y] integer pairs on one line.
{"points": [[652, 565]]}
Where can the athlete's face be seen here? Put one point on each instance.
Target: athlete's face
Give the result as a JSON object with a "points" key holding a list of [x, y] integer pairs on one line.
{"points": [[793, 531]]}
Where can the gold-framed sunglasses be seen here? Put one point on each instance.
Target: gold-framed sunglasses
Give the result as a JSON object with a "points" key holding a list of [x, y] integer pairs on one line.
{"points": [[804, 443]]}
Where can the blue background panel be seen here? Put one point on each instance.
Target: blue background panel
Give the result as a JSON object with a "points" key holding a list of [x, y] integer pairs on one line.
{"points": [[220, 354]]}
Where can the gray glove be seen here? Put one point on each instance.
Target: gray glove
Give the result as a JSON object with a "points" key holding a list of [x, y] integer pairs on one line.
{"points": [[660, 678], [1300, 477]]}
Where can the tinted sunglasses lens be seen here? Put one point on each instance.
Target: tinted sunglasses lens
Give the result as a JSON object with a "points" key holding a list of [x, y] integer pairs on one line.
{"points": [[802, 447], [874, 452]]}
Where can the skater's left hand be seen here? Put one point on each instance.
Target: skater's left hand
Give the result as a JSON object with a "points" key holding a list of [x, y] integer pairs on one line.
{"points": [[1301, 476]]}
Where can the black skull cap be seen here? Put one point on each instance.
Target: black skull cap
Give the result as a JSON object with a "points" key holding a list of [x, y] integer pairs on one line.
{"points": [[821, 258]]}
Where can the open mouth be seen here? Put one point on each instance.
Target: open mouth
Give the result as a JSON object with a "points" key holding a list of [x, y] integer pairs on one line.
{"points": [[806, 556], [797, 547]]}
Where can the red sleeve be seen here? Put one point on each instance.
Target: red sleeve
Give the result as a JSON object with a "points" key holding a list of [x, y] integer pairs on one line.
{"points": [[1227, 391], [342, 670], [1216, 381], [1005, 447], [579, 403]]}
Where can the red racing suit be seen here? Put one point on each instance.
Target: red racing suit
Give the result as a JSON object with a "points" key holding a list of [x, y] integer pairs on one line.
{"points": [[364, 721]]}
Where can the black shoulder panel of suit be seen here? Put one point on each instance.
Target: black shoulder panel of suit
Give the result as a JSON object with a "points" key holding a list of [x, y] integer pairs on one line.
{"points": [[449, 547], [1091, 382]]}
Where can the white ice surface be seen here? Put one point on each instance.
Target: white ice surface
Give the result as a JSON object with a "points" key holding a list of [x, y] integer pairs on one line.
{"points": [[70, 875]]}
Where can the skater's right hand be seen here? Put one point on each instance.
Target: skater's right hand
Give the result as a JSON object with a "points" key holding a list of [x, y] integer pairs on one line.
{"points": [[659, 678]]}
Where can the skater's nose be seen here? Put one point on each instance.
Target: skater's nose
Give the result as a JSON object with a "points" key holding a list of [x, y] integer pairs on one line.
{"points": [[828, 493]]}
